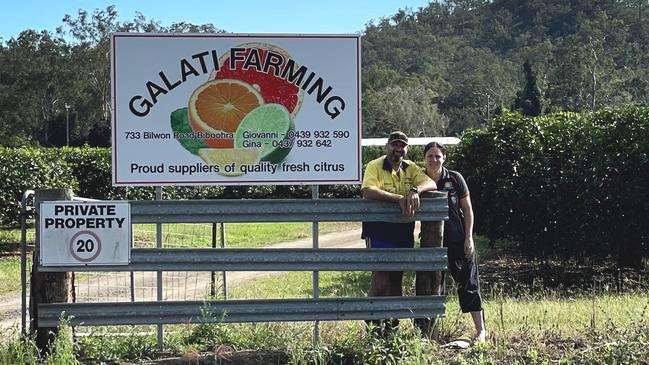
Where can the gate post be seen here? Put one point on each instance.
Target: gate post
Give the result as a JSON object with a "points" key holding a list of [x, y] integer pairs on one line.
{"points": [[51, 287], [430, 282]]}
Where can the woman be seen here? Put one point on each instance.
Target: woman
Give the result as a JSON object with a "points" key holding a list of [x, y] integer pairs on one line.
{"points": [[458, 235]]}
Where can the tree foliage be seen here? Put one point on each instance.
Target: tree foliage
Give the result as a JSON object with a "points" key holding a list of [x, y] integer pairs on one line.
{"points": [[528, 100], [48, 81], [448, 66], [411, 109], [562, 185], [87, 171], [586, 55]]}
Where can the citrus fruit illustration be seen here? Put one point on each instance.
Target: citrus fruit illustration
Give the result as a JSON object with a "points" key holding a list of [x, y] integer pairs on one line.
{"points": [[273, 88], [269, 127], [180, 126], [228, 156], [218, 106]]}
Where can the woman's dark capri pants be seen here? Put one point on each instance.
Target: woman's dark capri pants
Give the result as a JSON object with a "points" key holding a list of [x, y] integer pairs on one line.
{"points": [[464, 271]]}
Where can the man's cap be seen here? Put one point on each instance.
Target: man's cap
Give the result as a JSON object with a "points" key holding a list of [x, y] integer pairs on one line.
{"points": [[398, 136]]}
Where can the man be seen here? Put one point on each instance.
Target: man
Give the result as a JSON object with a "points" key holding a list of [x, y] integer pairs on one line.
{"points": [[392, 178]]}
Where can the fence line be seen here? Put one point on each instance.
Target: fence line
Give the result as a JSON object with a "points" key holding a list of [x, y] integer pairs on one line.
{"points": [[161, 259]]}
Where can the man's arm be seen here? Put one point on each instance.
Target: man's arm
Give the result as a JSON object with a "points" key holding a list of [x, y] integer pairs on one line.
{"points": [[406, 203], [371, 188], [409, 203], [428, 185], [381, 195]]}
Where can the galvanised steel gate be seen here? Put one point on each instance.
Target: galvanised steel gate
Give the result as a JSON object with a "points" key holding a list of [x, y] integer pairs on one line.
{"points": [[317, 259]]}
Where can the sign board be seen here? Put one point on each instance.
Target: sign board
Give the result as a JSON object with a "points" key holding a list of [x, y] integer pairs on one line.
{"points": [[80, 233], [232, 109]]}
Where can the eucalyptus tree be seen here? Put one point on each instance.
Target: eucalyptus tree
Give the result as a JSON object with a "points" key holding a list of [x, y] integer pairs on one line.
{"points": [[410, 108], [32, 76]]}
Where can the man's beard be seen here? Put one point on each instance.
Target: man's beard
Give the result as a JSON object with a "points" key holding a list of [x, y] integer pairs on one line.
{"points": [[396, 157]]}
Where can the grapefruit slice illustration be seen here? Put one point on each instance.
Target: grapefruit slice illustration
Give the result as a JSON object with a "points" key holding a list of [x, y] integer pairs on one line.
{"points": [[272, 87]]}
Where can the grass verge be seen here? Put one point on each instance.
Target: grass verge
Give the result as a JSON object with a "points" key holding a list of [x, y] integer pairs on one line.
{"points": [[10, 274], [237, 235], [348, 343]]}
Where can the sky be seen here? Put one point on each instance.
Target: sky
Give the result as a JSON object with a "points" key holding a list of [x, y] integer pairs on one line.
{"points": [[235, 16]]}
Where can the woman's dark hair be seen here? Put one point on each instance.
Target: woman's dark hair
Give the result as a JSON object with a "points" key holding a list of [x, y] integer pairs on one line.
{"points": [[435, 145]]}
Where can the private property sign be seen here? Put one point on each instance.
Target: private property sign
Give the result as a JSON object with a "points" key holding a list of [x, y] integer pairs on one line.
{"points": [[80, 233], [231, 109]]}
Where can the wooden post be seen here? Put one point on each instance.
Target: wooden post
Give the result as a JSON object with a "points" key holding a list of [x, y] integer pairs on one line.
{"points": [[47, 287], [430, 282]]}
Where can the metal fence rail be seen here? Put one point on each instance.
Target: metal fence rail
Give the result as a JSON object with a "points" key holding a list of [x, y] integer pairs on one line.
{"points": [[282, 210], [268, 259], [234, 311]]}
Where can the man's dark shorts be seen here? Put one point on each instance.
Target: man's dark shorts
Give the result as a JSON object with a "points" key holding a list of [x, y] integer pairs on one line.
{"points": [[377, 243]]}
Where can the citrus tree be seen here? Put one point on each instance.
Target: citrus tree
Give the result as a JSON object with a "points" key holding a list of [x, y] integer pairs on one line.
{"points": [[564, 185]]}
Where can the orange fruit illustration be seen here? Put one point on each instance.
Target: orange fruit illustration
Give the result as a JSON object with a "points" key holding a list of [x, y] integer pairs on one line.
{"points": [[273, 89], [218, 106]]}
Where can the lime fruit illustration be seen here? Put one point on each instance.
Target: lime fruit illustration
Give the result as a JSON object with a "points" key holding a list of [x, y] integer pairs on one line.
{"points": [[269, 127], [228, 156], [218, 106], [264, 73], [180, 126]]}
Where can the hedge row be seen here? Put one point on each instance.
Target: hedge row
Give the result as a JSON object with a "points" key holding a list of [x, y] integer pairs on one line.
{"points": [[87, 171], [563, 185]]}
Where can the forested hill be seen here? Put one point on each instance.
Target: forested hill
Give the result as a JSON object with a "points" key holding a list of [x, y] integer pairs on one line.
{"points": [[431, 71], [453, 64]]}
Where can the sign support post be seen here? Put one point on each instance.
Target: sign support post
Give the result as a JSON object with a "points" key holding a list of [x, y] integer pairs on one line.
{"points": [[158, 240], [315, 194], [50, 287]]}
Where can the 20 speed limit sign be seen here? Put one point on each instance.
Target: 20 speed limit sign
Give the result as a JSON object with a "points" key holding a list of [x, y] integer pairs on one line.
{"points": [[85, 246], [81, 233]]}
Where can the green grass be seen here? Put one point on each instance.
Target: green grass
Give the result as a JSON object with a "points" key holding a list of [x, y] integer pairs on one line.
{"points": [[332, 284], [16, 350], [602, 329], [566, 316], [10, 274], [237, 235], [103, 345], [539, 327], [504, 314], [346, 343], [10, 238]]}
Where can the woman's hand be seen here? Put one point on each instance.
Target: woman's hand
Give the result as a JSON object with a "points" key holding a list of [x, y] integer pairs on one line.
{"points": [[469, 246]]}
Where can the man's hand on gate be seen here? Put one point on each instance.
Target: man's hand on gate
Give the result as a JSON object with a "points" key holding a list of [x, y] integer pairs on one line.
{"points": [[413, 198], [409, 204]]}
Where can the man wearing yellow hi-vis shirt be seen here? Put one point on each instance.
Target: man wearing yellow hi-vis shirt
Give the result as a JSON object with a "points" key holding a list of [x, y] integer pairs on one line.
{"points": [[392, 178]]}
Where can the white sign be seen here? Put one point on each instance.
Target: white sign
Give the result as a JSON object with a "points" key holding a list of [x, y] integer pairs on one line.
{"points": [[80, 233], [232, 109]]}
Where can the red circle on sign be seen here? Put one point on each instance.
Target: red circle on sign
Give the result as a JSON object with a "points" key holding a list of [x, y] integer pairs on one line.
{"points": [[74, 238]]}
